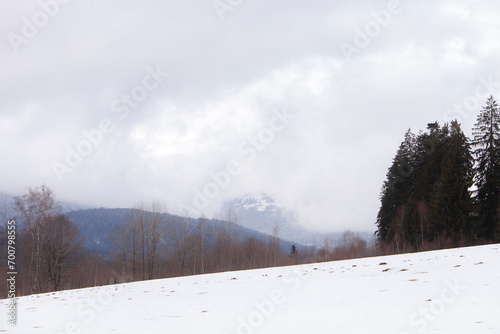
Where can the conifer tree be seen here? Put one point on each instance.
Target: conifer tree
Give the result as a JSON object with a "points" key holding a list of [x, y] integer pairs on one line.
{"points": [[430, 150], [395, 190], [414, 204], [431, 146], [451, 204], [487, 170]]}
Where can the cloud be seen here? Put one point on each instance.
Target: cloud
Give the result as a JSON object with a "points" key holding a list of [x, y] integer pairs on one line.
{"points": [[227, 82]]}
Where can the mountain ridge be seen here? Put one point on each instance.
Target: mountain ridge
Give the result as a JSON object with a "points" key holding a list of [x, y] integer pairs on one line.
{"points": [[264, 214]]}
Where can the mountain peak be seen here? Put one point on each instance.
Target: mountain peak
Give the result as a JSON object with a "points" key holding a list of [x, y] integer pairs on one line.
{"points": [[261, 203], [264, 214]]}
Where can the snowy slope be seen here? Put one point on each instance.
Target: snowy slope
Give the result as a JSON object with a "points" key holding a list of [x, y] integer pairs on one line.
{"points": [[450, 291]]}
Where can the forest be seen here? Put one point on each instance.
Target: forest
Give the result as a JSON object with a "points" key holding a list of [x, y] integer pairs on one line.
{"points": [[53, 252], [442, 189]]}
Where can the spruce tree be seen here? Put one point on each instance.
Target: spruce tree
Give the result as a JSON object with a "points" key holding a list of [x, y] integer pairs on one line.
{"points": [[431, 146], [396, 189], [451, 204], [430, 149], [487, 170]]}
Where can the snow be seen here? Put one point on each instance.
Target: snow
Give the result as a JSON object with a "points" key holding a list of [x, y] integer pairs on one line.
{"points": [[448, 291], [261, 204]]}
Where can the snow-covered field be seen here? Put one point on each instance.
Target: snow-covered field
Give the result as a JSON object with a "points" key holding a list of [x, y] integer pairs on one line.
{"points": [[449, 291]]}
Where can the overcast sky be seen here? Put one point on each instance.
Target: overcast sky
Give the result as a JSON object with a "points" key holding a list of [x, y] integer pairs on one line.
{"points": [[193, 103]]}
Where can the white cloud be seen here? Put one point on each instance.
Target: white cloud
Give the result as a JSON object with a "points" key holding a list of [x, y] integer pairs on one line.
{"points": [[227, 80]]}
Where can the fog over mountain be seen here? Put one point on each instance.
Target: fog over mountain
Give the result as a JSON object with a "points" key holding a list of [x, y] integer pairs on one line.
{"points": [[264, 214], [109, 103], [261, 213]]}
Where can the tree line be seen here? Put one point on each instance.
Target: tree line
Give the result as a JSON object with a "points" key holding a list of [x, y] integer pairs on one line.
{"points": [[443, 189], [148, 244]]}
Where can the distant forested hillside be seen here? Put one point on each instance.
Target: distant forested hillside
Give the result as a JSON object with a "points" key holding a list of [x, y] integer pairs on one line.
{"points": [[97, 226]]}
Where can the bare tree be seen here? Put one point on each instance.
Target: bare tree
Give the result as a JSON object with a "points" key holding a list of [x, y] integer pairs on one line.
{"points": [[62, 243], [155, 228], [230, 217], [125, 239], [201, 225], [352, 246], [137, 225], [219, 249], [185, 244], [36, 207], [136, 241], [276, 243], [327, 247]]}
